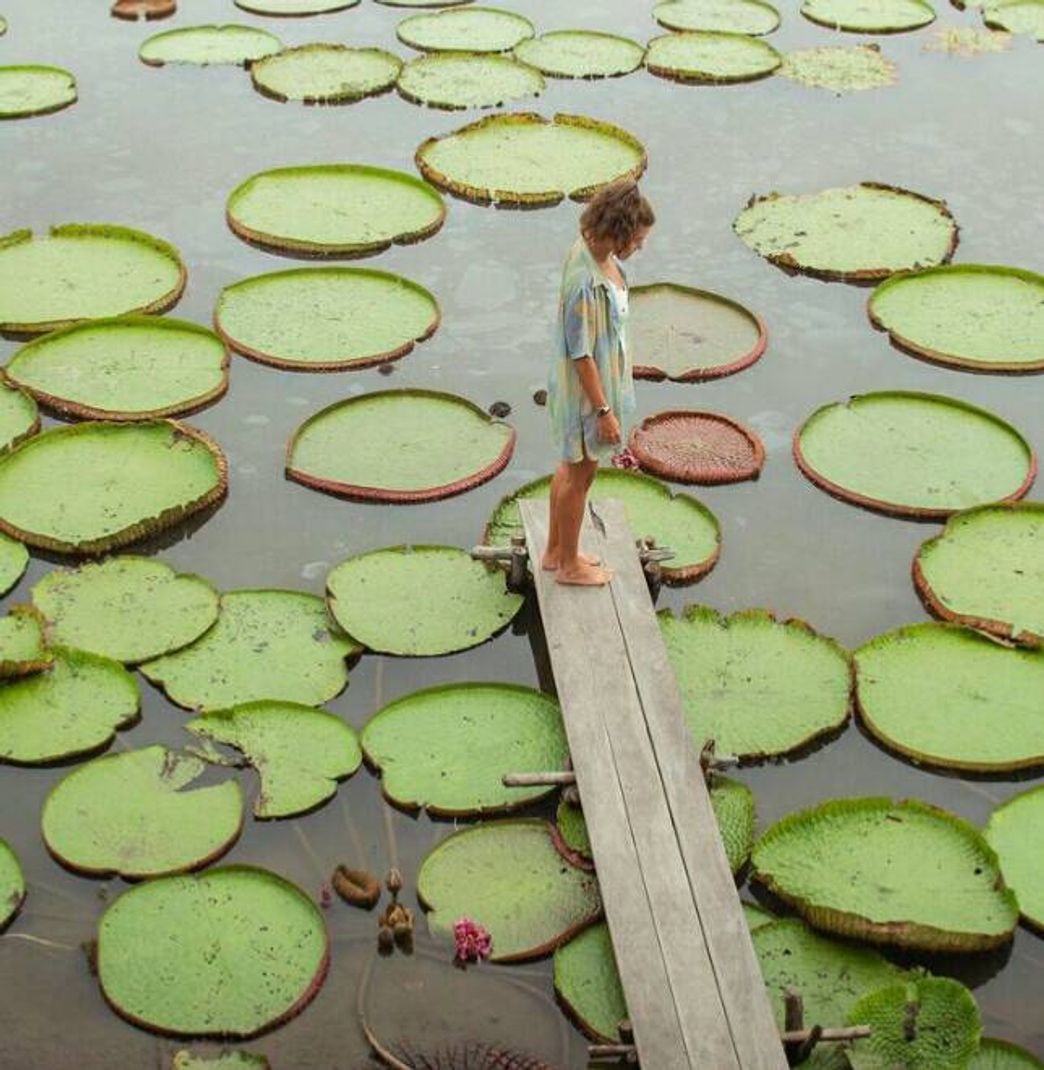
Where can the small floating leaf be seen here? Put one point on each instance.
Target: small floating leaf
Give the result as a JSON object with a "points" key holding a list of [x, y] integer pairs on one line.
{"points": [[325, 74], [12, 884], [1015, 831], [467, 80], [732, 16], [700, 56], [22, 646], [1000, 1055], [843, 70], [581, 54], [19, 418], [236, 46], [697, 447], [869, 16], [14, 559], [477, 29], [588, 985], [357, 887], [34, 89]]}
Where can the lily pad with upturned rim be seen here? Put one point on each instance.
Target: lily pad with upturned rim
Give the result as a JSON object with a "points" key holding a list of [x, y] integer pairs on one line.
{"points": [[950, 697], [34, 89], [84, 271], [508, 877], [12, 884], [467, 80], [581, 54], [916, 455], [232, 45], [755, 17], [920, 878], [123, 368], [300, 753], [697, 447], [1000, 1055], [19, 418], [419, 601], [523, 159], [108, 484], [869, 16], [1016, 16], [266, 644], [325, 73], [471, 29], [704, 56], [1015, 831], [230, 952], [73, 708], [446, 748], [587, 984], [22, 646], [986, 571], [126, 608], [423, 3], [14, 559], [294, 8], [226, 1060], [399, 446], [842, 70], [341, 210], [134, 814]]}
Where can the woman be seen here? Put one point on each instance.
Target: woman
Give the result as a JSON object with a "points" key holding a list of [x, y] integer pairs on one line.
{"points": [[590, 389]]}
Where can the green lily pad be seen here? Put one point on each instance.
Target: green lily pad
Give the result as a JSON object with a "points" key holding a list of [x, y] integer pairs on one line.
{"points": [[985, 570], [1016, 16], [3, 26], [569, 820], [22, 646], [226, 1060], [14, 559], [266, 644], [731, 16], [294, 8], [229, 952], [581, 54], [978, 316], [325, 74], [424, 3], [133, 815], [108, 484], [967, 41], [419, 600], [299, 753], [334, 209], [868, 231], [399, 446], [587, 984], [869, 16], [911, 454], [476, 29], [689, 335], [842, 70], [467, 80], [901, 873], [950, 697], [947, 1026], [700, 56], [1000, 1055], [232, 45], [34, 89], [126, 608], [127, 368], [757, 916], [755, 685], [508, 877], [19, 418], [679, 521], [446, 748], [84, 271], [325, 318], [1015, 831], [524, 159], [12, 884], [73, 708]]}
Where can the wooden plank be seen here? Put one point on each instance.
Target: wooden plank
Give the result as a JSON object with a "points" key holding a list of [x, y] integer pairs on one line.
{"points": [[725, 931]]}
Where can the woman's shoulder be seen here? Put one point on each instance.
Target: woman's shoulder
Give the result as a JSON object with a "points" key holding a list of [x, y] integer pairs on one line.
{"points": [[577, 270]]}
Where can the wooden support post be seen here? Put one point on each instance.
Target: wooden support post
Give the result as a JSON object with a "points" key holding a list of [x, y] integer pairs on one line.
{"points": [[793, 1013], [518, 570]]}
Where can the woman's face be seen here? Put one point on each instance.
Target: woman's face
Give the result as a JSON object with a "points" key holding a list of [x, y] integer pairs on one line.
{"points": [[636, 242]]}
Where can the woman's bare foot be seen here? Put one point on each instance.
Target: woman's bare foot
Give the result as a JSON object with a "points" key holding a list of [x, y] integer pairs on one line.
{"points": [[549, 562], [584, 575]]}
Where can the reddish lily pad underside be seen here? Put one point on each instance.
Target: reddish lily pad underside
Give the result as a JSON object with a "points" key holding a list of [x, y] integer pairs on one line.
{"points": [[697, 447]]}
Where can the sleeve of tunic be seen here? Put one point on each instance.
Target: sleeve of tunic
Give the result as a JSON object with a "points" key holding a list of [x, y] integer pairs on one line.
{"points": [[578, 322]]}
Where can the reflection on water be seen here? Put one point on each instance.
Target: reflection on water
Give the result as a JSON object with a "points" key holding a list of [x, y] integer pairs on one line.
{"points": [[161, 149]]}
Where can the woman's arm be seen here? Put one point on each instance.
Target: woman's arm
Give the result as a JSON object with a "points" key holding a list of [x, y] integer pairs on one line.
{"points": [[591, 383]]}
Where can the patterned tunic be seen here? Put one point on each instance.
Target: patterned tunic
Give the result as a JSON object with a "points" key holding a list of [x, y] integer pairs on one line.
{"points": [[591, 323]]}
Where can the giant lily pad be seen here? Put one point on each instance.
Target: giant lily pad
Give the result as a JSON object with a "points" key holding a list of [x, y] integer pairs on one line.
{"points": [[679, 521], [950, 697], [966, 316], [1000, 1055], [34, 89], [399, 446], [131, 814], [22, 646], [107, 484], [326, 318], [126, 608], [334, 209], [84, 271], [581, 54], [14, 559], [237, 46], [300, 753], [868, 231], [19, 418], [1016, 16], [587, 984], [986, 570], [1016, 832], [869, 16], [889, 872], [687, 335], [73, 708], [226, 1060], [325, 74], [12, 884], [939, 1012], [419, 600], [128, 368], [424, 3], [732, 16], [572, 828], [467, 80], [476, 29], [446, 748], [697, 447], [524, 159], [508, 877], [911, 454], [700, 56], [265, 645], [843, 70], [294, 8], [755, 685], [230, 952]]}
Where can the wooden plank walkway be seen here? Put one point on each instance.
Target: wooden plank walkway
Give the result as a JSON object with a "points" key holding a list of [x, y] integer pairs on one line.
{"points": [[687, 966]]}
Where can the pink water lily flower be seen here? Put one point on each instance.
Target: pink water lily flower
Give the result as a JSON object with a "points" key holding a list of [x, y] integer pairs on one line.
{"points": [[624, 459], [472, 942]]}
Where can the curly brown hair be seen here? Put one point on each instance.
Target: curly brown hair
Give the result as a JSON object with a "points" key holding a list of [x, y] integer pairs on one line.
{"points": [[616, 213]]}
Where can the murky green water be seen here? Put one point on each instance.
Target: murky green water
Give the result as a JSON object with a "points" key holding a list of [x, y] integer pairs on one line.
{"points": [[160, 150]]}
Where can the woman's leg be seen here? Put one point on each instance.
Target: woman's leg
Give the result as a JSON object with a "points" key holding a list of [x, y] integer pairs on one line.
{"points": [[574, 567], [552, 553]]}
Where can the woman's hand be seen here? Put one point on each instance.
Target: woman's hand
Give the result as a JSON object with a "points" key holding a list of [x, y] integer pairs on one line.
{"points": [[609, 428]]}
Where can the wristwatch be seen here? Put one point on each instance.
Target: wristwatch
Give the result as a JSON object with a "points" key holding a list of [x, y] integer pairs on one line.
{"points": [[604, 410]]}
